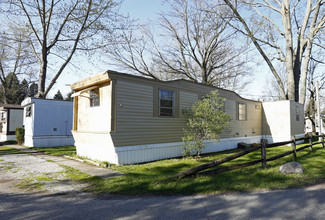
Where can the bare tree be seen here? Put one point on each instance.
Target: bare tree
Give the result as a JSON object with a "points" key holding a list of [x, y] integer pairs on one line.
{"points": [[312, 77], [58, 29], [272, 91], [16, 62], [291, 41], [192, 44], [131, 51]]}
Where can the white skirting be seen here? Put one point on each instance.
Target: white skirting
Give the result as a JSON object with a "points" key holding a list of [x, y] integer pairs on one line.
{"points": [[48, 141], [151, 152]]}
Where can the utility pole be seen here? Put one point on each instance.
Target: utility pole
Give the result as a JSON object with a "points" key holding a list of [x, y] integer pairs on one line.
{"points": [[320, 126]]}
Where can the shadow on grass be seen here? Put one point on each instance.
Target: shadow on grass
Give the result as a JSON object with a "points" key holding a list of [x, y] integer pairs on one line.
{"points": [[4, 150], [57, 151], [142, 179]]}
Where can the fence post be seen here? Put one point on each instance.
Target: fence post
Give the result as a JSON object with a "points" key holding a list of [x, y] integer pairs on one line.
{"points": [[293, 145], [310, 142], [263, 152]]}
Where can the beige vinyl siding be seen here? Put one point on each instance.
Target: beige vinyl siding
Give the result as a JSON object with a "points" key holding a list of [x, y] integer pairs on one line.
{"points": [[137, 123], [186, 101], [135, 120], [250, 127], [132, 108]]}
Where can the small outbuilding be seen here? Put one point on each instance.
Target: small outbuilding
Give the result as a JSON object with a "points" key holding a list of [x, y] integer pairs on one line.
{"points": [[11, 117], [47, 122], [282, 120], [125, 119]]}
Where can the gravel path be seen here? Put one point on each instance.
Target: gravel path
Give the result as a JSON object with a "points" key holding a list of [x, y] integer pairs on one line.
{"points": [[34, 172], [21, 173]]}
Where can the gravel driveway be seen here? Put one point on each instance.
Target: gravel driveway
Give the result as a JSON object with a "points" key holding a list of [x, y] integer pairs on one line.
{"points": [[24, 172], [33, 172]]}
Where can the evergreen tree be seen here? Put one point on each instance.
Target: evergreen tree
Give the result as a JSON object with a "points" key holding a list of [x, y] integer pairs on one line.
{"points": [[12, 91], [33, 89], [58, 96], [24, 90], [69, 98]]}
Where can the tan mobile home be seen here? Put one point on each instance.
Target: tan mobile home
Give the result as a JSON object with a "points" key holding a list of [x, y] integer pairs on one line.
{"points": [[125, 119]]}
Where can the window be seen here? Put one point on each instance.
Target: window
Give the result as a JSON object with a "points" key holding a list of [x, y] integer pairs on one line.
{"points": [[94, 97], [166, 103], [241, 111], [28, 111], [297, 113]]}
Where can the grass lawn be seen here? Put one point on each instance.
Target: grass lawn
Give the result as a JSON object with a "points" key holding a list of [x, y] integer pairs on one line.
{"points": [[142, 179], [9, 150], [58, 151]]}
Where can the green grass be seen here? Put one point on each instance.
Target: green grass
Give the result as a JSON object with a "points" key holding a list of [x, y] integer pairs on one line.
{"points": [[58, 151], [9, 150], [143, 179]]}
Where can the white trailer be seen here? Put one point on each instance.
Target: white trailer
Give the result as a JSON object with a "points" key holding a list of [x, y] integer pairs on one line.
{"points": [[47, 122]]}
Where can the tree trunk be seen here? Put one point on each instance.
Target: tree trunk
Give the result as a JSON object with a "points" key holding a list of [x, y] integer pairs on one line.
{"points": [[286, 20], [41, 79], [303, 78], [43, 71]]}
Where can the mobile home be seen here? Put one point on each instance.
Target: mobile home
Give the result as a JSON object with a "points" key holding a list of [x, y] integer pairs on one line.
{"points": [[125, 119], [47, 122]]}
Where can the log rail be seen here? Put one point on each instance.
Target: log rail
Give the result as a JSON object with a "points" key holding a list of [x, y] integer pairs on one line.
{"points": [[200, 170]]}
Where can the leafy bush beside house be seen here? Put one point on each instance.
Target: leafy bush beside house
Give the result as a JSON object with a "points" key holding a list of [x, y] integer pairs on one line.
{"points": [[20, 133], [206, 121]]}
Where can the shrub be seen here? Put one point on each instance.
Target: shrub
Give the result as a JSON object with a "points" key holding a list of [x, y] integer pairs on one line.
{"points": [[20, 132], [206, 122]]}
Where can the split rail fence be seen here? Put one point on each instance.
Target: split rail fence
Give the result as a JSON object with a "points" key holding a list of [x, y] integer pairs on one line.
{"points": [[199, 170]]}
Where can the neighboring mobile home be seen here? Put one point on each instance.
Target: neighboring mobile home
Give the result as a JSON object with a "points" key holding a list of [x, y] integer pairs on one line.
{"points": [[47, 122], [282, 120], [125, 119], [11, 117]]}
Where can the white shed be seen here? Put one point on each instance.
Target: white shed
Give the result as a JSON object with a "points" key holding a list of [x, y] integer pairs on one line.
{"points": [[47, 122], [282, 120]]}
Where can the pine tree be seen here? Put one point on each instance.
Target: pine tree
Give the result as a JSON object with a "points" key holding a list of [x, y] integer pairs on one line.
{"points": [[69, 98], [12, 91], [33, 89], [58, 96]]}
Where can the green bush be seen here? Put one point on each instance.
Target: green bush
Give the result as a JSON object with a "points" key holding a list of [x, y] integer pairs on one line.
{"points": [[20, 133], [206, 121]]}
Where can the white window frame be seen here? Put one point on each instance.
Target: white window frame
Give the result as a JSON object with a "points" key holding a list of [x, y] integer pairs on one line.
{"points": [[94, 98], [242, 116]]}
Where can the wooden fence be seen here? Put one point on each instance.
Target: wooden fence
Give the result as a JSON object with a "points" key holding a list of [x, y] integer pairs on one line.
{"points": [[199, 170], [293, 143]]}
